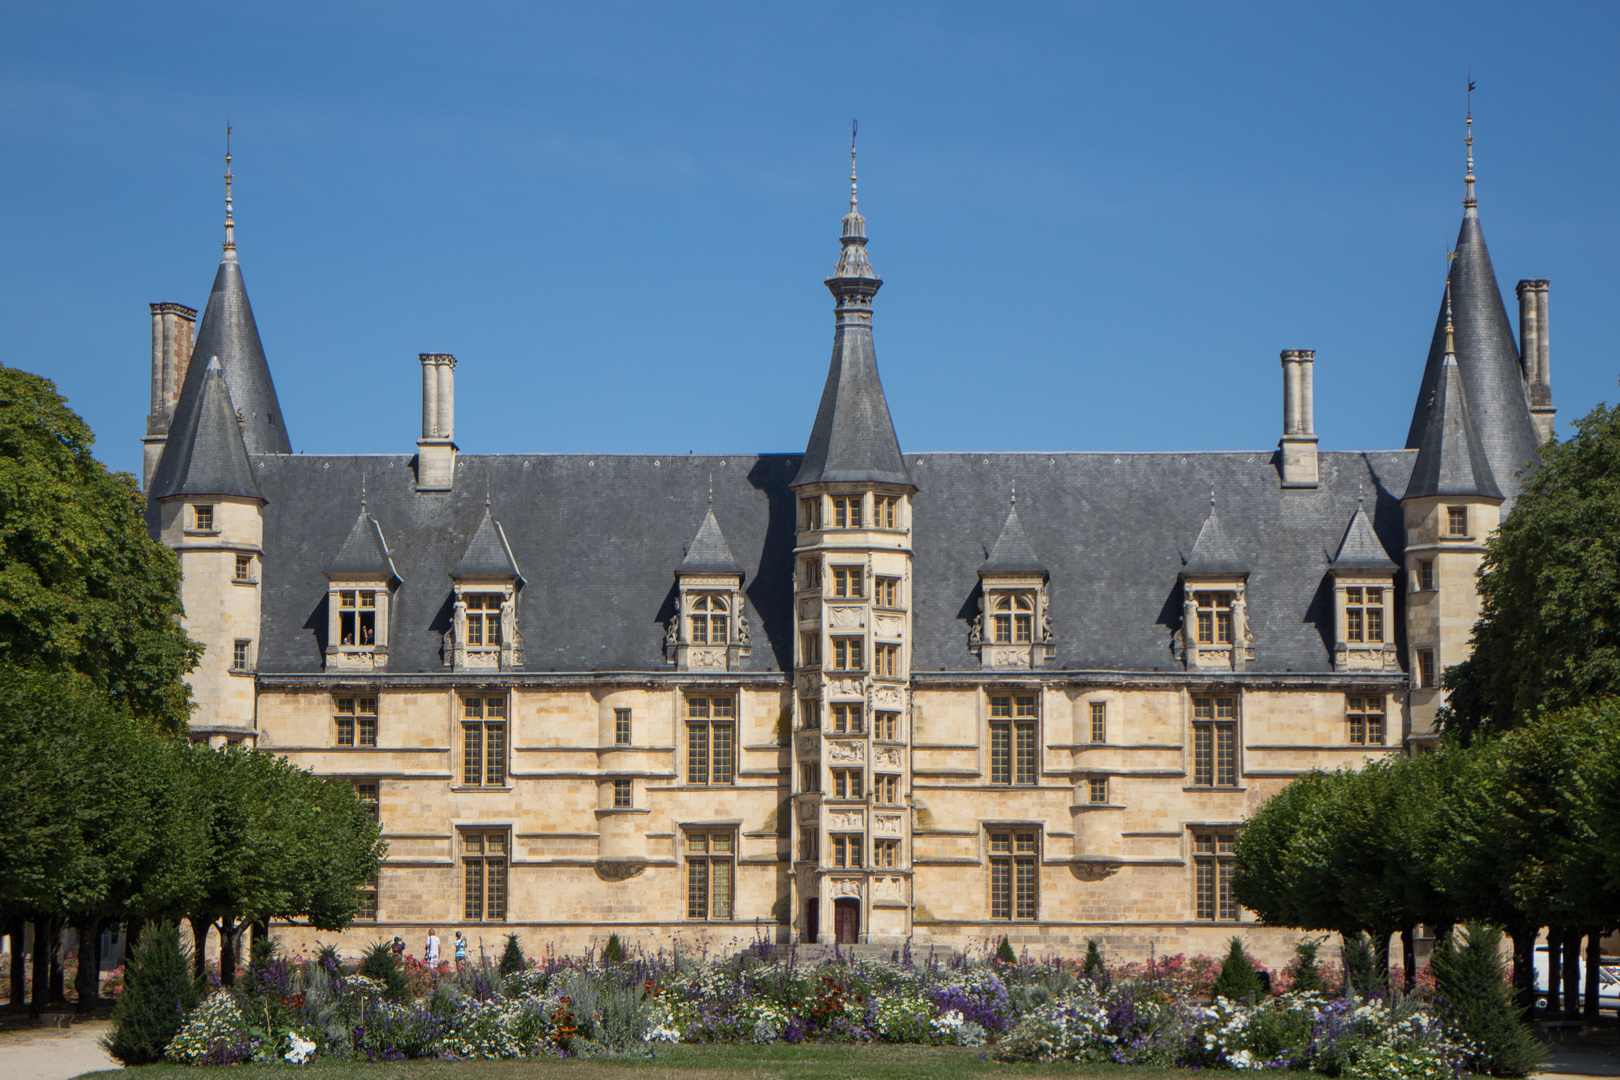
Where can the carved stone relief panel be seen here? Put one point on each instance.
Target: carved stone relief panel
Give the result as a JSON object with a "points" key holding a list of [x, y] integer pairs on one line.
{"points": [[706, 658], [886, 888], [1017, 656], [807, 810], [846, 687], [808, 742], [886, 696], [886, 757], [845, 819], [844, 751], [886, 824], [845, 887]]}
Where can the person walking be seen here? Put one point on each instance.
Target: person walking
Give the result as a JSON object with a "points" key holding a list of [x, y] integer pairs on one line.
{"points": [[432, 948], [461, 950]]}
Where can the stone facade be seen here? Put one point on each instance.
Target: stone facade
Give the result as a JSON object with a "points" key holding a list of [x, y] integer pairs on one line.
{"points": [[840, 712]]}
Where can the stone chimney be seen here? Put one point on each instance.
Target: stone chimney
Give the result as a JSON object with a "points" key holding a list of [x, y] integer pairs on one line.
{"points": [[173, 334], [1533, 354], [1298, 444], [436, 450]]}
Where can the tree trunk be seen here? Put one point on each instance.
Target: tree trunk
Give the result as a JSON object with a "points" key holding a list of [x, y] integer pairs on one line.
{"points": [[88, 983], [17, 928], [1555, 972], [1409, 958], [1572, 974], [227, 951], [1524, 966], [42, 967], [58, 982], [1594, 959], [199, 946]]}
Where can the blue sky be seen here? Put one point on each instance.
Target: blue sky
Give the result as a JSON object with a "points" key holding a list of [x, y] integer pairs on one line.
{"points": [[1097, 223]]}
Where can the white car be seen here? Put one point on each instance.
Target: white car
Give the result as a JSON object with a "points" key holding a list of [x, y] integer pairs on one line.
{"points": [[1608, 982]]}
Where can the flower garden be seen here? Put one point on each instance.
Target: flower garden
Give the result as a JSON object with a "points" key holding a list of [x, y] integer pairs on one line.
{"points": [[1163, 1012]]}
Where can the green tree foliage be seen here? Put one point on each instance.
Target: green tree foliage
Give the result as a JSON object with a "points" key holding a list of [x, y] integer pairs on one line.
{"points": [[1238, 980], [157, 986], [83, 587], [1304, 976], [513, 960], [1004, 952], [1095, 967], [1470, 981], [378, 962], [1549, 632]]}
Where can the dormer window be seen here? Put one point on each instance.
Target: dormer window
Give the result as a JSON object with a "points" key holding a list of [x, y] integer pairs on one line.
{"points": [[357, 618], [1214, 617], [483, 621], [1013, 618], [360, 584], [709, 622], [1363, 590], [484, 633]]}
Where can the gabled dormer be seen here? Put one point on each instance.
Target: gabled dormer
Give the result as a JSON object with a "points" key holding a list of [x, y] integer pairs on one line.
{"points": [[1363, 600], [1014, 628], [1215, 620], [484, 633], [709, 629], [361, 582]]}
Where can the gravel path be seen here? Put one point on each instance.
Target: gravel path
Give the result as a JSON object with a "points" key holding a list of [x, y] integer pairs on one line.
{"points": [[54, 1053]]}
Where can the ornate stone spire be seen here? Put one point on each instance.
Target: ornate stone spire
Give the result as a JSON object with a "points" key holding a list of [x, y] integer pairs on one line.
{"points": [[230, 225], [1469, 201], [853, 438]]}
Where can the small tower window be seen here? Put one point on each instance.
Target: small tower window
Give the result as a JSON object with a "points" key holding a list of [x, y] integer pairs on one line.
{"points": [[1426, 575], [846, 511], [244, 568], [849, 582], [887, 592], [888, 661], [239, 656], [204, 518], [621, 794], [1099, 721], [1426, 669], [621, 727], [1457, 520], [810, 514], [847, 719], [1098, 789], [886, 509]]}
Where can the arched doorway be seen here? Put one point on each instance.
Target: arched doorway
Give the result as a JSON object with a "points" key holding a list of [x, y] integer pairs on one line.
{"points": [[846, 920], [812, 921]]}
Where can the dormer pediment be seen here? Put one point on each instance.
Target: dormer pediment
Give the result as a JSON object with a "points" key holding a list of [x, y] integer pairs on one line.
{"points": [[709, 627]]}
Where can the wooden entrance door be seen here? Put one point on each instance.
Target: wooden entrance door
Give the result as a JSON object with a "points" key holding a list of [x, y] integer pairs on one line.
{"points": [[846, 920], [812, 921]]}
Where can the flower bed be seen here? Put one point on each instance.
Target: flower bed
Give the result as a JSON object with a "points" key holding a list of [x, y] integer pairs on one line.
{"points": [[1147, 1014]]}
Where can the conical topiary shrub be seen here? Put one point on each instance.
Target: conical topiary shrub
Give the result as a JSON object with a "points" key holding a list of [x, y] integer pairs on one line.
{"points": [[1094, 967], [1475, 997], [613, 951], [1304, 977], [157, 991], [1238, 980], [1004, 952], [512, 958], [378, 962]]}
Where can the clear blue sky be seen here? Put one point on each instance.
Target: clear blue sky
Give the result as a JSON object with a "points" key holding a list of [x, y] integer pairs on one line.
{"points": [[1097, 223]]}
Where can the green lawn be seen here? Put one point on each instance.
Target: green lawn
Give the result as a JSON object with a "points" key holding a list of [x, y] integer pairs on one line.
{"points": [[674, 1063]]}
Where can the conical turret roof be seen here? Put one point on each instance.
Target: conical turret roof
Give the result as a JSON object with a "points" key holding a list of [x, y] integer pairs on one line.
{"points": [[1212, 552], [1012, 553], [1360, 548], [488, 554], [852, 440], [204, 454], [1451, 460], [1487, 359], [709, 553], [365, 551]]}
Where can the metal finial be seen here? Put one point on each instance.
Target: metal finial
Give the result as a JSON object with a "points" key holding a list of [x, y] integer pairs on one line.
{"points": [[230, 225], [362, 493], [1468, 179], [1212, 498], [1451, 345], [1359, 496], [711, 491], [486, 496], [1012, 498], [854, 126]]}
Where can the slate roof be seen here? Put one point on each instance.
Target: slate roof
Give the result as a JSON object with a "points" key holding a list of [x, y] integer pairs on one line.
{"points": [[1361, 549], [709, 553], [600, 535], [488, 554], [1489, 362], [365, 551], [1212, 552], [1012, 553], [204, 454], [1451, 459]]}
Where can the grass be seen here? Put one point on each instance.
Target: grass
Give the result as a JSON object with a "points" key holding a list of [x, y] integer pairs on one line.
{"points": [[724, 1062]]}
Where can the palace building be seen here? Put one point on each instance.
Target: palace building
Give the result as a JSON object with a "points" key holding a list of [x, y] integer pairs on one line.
{"points": [[857, 694]]}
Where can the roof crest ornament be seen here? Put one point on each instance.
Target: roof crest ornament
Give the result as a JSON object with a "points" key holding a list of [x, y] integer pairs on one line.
{"points": [[362, 493], [1451, 340], [1468, 179], [854, 127], [230, 224], [711, 491], [1012, 498]]}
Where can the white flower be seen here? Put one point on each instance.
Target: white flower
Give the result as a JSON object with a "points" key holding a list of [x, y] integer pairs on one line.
{"points": [[302, 1048]]}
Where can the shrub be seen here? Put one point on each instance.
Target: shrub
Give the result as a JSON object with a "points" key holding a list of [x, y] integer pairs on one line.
{"points": [[157, 987], [613, 951], [1004, 952], [1304, 976], [1472, 985], [1238, 980], [378, 963], [1360, 967], [512, 958], [1094, 967]]}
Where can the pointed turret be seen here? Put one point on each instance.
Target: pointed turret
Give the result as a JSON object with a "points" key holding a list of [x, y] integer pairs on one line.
{"points": [[365, 552], [1486, 355], [1452, 459], [1212, 552], [204, 455], [1012, 553], [1360, 549], [488, 555], [709, 552], [227, 331], [853, 438]]}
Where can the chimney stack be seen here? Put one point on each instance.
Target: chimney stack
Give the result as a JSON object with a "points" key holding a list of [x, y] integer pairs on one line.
{"points": [[1533, 354], [1298, 444], [173, 333], [436, 450]]}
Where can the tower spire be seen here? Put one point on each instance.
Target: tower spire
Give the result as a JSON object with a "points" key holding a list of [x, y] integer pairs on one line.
{"points": [[1468, 179], [230, 225], [1451, 338], [854, 128]]}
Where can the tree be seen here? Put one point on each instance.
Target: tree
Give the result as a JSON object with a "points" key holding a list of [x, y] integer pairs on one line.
{"points": [[1469, 979], [1549, 632], [83, 587], [157, 987], [1238, 980]]}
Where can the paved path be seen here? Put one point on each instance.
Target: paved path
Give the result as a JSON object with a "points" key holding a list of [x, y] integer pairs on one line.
{"points": [[54, 1053]]}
